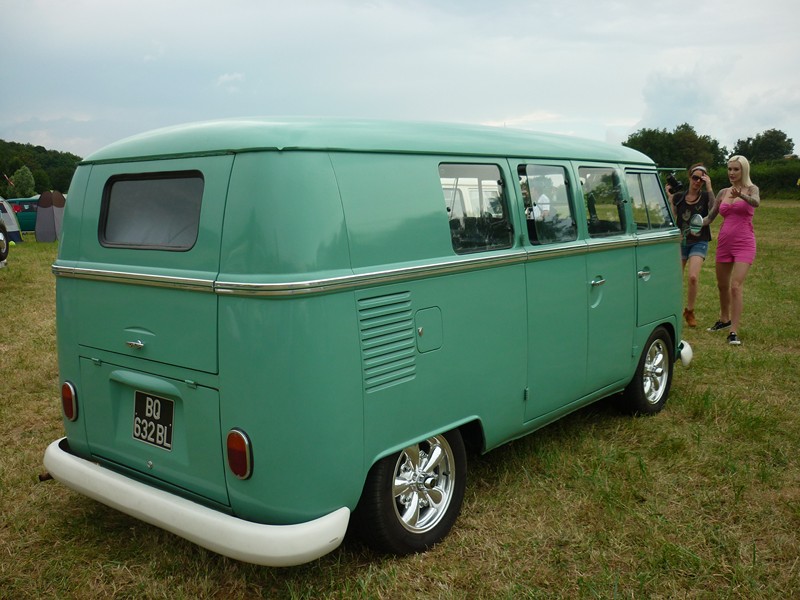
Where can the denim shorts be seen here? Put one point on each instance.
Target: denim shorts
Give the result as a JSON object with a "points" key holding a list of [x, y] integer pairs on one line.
{"points": [[694, 249]]}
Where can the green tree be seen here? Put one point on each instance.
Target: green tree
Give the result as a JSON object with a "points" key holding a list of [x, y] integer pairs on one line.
{"points": [[61, 177], [655, 143], [679, 148], [42, 180], [24, 184], [772, 144], [51, 169]]}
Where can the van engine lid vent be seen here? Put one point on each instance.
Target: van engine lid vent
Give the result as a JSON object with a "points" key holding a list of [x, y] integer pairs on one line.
{"points": [[388, 347]]}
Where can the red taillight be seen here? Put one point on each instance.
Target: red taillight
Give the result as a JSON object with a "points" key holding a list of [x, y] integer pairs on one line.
{"points": [[69, 401], [240, 453]]}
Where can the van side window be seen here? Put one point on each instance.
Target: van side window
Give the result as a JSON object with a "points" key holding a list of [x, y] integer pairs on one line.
{"points": [[152, 211], [650, 210], [548, 207], [477, 207], [605, 211]]}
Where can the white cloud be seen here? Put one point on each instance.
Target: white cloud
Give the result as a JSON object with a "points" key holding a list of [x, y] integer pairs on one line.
{"points": [[157, 52], [594, 69], [528, 121], [230, 82]]}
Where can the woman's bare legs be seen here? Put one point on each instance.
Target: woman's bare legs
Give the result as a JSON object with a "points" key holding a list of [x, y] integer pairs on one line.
{"points": [[737, 293], [695, 265], [724, 271], [730, 281]]}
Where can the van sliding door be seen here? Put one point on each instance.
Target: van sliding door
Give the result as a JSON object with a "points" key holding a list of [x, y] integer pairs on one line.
{"points": [[611, 273], [657, 255], [556, 288]]}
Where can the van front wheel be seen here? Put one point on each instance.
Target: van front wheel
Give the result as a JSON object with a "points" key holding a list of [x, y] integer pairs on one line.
{"points": [[412, 498], [647, 392]]}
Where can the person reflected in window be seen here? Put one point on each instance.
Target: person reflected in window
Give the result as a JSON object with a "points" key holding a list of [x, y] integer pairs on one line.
{"points": [[539, 209], [697, 199]]}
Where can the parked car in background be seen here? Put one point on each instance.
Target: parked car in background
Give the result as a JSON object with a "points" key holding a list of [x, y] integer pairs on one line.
{"points": [[25, 209]]}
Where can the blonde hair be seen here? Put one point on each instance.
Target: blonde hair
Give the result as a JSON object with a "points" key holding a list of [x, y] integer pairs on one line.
{"points": [[745, 164]]}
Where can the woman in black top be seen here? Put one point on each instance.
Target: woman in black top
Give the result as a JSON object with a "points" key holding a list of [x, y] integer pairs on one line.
{"points": [[698, 199]]}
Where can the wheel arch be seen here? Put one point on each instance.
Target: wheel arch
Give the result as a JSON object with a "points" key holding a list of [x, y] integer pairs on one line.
{"points": [[375, 518], [648, 376], [472, 434], [670, 327], [646, 331]]}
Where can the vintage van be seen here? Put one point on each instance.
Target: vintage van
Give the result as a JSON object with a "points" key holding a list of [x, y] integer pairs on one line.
{"points": [[267, 327]]}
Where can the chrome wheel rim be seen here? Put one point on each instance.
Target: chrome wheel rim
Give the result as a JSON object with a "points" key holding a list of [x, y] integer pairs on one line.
{"points": [[3, 243], [424, 479], [656, 371]]}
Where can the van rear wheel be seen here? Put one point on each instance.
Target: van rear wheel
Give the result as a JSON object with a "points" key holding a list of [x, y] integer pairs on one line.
{"points": [[647, 392], [412, 498]]}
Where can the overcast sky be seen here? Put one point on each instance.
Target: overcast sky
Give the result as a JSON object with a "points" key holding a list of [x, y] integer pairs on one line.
{"points": [[80, 74]]}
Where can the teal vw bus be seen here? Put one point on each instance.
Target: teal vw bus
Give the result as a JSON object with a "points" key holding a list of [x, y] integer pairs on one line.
{"points": [[272, 329]]}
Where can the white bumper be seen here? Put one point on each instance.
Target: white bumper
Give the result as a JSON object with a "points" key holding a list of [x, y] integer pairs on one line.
{"points": [[270, 545], [685, 353]]}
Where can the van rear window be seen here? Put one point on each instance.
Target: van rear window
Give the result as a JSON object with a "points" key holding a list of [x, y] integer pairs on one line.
{"points": [[152, 211]]}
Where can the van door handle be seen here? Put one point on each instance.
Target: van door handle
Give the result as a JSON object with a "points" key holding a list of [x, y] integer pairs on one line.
{"points": [[598, 282], [644, 274], [137, 345]]}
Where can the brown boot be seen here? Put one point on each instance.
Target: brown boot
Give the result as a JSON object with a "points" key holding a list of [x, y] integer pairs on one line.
{"points": [[689, 316]]}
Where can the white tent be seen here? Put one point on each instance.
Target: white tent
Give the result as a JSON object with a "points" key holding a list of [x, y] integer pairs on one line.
{"points": [[10, 221]]}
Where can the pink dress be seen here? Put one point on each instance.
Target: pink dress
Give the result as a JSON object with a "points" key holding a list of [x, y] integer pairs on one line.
{"points": [[737, 240]]}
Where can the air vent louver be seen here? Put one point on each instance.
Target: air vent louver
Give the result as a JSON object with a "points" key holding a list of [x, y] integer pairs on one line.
{"points": [[388, 346]]}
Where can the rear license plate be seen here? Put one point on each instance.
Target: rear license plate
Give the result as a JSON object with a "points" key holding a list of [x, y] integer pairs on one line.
{"points": [[152, 419]]}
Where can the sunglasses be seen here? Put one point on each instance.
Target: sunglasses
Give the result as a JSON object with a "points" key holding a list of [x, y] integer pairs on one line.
{"points": [[696, 178]]}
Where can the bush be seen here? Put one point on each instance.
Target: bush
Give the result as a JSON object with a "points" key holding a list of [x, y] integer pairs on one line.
{"points": [[775, 179]]}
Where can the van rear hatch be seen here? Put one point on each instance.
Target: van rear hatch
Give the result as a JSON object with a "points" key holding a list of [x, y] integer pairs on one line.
{"points": [[149, 270], [142, 296], [162, 427]]}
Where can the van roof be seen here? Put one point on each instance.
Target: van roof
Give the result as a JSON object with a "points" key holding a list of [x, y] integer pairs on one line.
{"points": [[357, 135]]}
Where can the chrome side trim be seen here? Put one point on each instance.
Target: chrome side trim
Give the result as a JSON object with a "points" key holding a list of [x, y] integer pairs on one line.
{"points": [[550, 252], [662, 237], [347, 282], [311, 286], [601, 245], [399, 275], [378, 277], [181, 283]]}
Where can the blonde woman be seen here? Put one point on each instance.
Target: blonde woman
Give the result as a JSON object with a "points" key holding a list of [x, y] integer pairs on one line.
{"points": [[736, 244]]}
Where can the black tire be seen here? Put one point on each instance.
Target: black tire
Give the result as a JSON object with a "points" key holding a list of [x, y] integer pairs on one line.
{"points": [[412, 498], [647, 392], [3, 243]]}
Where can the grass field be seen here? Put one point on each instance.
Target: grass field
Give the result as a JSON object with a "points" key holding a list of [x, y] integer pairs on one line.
{"points": [[701, 501]]}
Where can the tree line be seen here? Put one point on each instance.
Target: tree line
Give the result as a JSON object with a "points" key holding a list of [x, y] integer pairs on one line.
{"points": [[775, 169], [26, 170], [684, 147]]}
